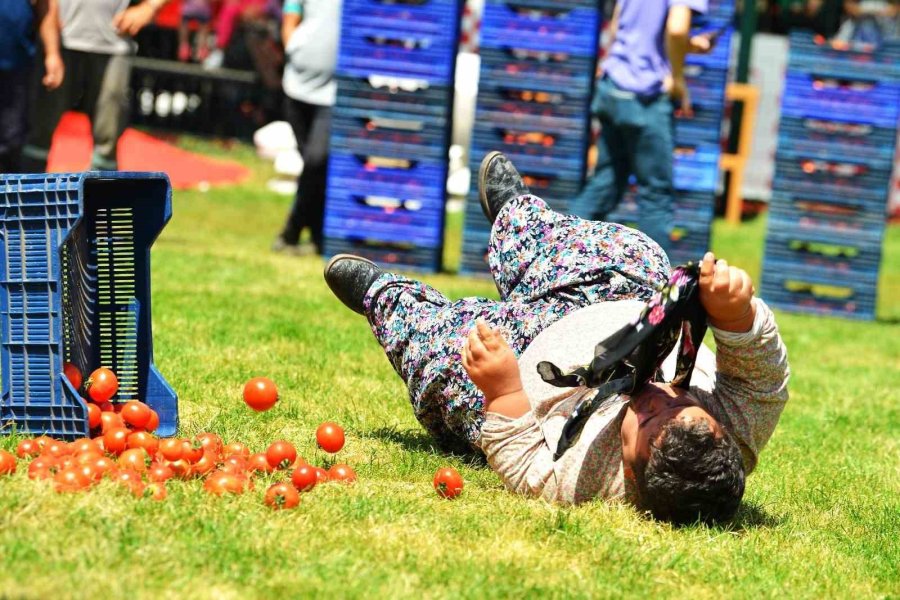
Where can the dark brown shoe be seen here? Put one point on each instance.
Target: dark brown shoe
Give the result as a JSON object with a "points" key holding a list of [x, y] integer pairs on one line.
{"points": [[498, 183], [350, 277]]}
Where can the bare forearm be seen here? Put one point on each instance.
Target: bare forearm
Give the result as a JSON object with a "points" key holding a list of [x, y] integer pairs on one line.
{"points": [[289, 23], [678, 28], [48, 28], [513, 404]]}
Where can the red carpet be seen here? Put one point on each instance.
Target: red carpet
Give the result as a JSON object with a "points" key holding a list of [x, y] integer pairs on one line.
{"points": [[72, 147]]}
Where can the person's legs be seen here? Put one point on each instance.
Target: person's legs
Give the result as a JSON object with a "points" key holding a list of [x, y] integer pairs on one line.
{"points": [[603, 192], [13, 117], [47, 108], [107, 81], [300, 116], [536, 253], [312, 183], [653, 150]]}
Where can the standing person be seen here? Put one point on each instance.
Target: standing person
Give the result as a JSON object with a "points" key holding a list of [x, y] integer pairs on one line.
{"points": [[198, 12], [97, 49], [18, 19], [311, 32], [642, 74]]}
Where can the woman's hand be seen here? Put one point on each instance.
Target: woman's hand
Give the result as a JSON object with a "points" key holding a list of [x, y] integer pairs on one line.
{"points": [[490, 362], [726, 294]]}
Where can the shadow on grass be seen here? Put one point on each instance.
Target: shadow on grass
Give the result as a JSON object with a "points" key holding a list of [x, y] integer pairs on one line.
{"points": [[419, 441], [752, 516]]}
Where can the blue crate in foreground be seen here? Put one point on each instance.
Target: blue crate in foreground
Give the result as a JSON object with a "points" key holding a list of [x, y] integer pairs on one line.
{"points": [[75, 286]]}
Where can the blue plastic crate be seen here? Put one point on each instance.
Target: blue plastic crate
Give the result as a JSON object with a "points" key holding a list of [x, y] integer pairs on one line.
{"points": [[705, 125], [424, 180], [696, 169], [391, 256], [519, 68], [392, 96], [840, 252], [365, 51], [816, 290], [852, 173], [75, 286], [411, 137], [549, 28], [427, 17], [833, 140], [814, 53], [383, 218]]}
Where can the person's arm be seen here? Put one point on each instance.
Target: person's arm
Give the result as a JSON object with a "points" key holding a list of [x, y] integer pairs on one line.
{"points": [[131, 20], [614, 21], [292, 14], [492, 366], [678, 31], [750, 389], [48, 29]]}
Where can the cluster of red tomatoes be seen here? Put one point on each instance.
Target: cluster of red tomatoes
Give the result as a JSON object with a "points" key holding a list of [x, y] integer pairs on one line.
{"points": [[143, 463], [124, 449]]}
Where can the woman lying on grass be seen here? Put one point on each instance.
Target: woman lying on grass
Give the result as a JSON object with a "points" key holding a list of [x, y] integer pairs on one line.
{"points": [[471, 366]]}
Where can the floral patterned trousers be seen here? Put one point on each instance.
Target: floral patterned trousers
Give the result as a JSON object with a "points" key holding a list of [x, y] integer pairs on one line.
{"points": [[546, 265]]}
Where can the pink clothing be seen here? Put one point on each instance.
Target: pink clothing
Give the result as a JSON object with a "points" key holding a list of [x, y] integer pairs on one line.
{"points": [[228, 18], [744, 386]]}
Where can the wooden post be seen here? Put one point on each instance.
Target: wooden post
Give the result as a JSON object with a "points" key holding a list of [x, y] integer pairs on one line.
{"points": [[748, 95]]}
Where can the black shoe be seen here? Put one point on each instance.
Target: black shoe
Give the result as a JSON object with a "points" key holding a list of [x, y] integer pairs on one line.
{"points": [[498, 183], [350, 277]]}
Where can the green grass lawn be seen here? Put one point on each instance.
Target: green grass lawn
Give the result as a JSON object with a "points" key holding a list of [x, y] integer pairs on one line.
{"points": [[821, 517]]}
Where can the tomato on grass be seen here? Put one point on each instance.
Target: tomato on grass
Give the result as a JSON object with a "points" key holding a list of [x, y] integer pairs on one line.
{"points": [[341, 473], [281, 496], [7, 463], [260, 394], [281, 454], [304, 478], [136, 414], [448, 483], [330, 437]]}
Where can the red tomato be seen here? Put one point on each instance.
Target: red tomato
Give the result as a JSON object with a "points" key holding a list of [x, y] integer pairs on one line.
{"points": [[235, 464], [94, 413], [181, 468], [7, 463], [448, 483], [73, 374], [258, 463], [153, 423], [159, 472], [171, 449], [220, 483], [110, 420], [206, 464], [210, 442], [236, 449], [282, 495], [191, 452], [136, 414], [135, 459], [56, 449], [104, 465], [70, 480], [342, 473], [131, 480], [90, 472], [156, 491], [260, 394], [281, 454], [304, 478], [330, 437], [116, 440], [321, 475], [102, 385], [27, 448], [84, 446], [145, 440], [42, 467]]}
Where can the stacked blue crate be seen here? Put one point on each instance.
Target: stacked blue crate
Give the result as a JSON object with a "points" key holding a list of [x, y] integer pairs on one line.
{"points": [[832, 175], [697, 141], [538, 59], [387, 170]]}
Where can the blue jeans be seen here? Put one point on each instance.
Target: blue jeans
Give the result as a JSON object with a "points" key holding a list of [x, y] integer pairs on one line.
{"points": [[636, 138]]}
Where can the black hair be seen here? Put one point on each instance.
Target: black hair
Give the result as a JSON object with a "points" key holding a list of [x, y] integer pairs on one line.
{"points": [[691, 476]]}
